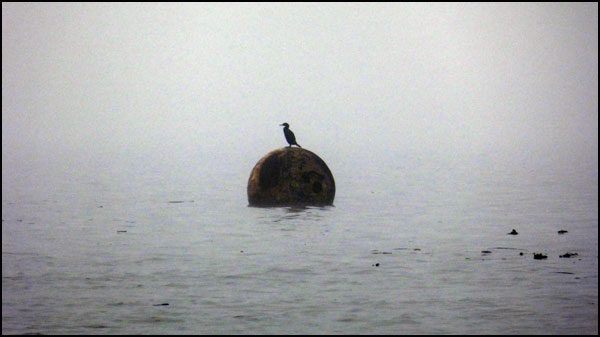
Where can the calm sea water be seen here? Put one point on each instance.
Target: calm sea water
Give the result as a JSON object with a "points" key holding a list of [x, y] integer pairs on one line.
{"points": [[420, 247]]}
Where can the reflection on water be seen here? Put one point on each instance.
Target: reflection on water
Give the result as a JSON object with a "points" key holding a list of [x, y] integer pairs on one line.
{"points": [[293, 214]]}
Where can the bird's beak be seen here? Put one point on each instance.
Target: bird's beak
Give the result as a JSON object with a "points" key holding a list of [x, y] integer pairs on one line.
{"points": [[280, 124]]}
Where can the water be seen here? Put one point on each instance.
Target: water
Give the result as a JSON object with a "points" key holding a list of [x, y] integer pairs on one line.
{"points": [[98, 247]]}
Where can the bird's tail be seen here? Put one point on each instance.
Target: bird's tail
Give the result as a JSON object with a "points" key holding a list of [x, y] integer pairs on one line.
{"points": [[298, 145]]}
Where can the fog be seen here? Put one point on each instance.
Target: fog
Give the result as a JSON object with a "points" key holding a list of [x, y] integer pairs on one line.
{"points": [[513, 83]]}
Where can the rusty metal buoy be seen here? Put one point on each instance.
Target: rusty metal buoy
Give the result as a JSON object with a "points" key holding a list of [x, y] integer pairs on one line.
{"points": [[291, 176]]}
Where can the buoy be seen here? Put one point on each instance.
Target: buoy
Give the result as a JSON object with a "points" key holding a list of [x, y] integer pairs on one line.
{"points": [[291, 176]]}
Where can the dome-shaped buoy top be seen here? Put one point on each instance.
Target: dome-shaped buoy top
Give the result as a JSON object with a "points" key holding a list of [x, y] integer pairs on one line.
{"points": [[291, 176]]}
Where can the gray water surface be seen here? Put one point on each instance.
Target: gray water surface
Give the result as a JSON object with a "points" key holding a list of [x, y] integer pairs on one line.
{"points": [[420, 248]]}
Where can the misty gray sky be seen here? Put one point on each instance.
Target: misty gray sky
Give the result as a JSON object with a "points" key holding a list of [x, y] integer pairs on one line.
{"points": [[351, 79]]}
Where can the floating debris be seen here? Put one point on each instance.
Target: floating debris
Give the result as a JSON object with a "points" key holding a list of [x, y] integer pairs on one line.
{"points": [[375, 251], [539, 256], [375, 265], [403, 248], [486, 252], [121, 231], [568, 255], [161, 304], [514, 232], [562, 231]]}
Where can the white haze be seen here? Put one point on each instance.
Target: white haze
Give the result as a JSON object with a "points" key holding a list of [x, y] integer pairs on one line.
{"points": [[506, 83]]}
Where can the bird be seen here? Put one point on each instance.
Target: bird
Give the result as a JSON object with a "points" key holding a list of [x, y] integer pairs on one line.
{"points": [[289, 135]]}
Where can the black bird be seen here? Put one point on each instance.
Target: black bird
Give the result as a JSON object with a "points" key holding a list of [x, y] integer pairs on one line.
{"points": [[289, 135]]}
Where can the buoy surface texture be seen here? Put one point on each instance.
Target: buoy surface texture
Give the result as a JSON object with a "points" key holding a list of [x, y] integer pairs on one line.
{"points": [[291, 176]]}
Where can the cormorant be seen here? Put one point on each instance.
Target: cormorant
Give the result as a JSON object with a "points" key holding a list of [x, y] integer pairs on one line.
{"points": [[289, 135]]}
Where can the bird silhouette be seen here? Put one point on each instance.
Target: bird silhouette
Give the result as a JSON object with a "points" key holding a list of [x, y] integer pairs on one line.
{"points": [[289, 135]]}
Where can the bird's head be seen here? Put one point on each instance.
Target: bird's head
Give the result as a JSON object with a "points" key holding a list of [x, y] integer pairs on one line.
{"points": [[285, 124]]}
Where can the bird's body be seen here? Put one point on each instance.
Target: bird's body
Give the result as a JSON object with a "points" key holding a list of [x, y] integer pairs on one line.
{"points": [[289, 135]]}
